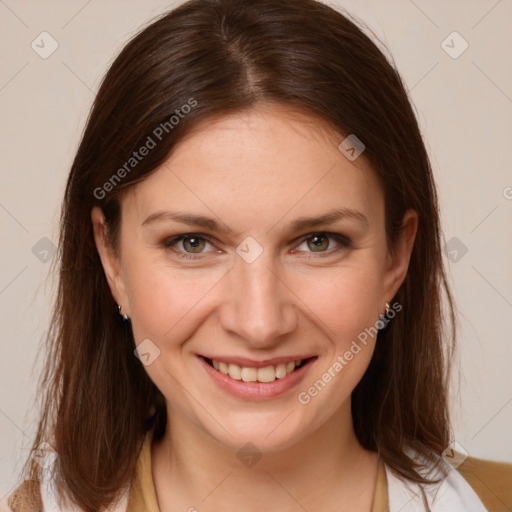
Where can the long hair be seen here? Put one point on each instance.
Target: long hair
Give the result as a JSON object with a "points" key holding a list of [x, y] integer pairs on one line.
{"points": [[218, 57]]}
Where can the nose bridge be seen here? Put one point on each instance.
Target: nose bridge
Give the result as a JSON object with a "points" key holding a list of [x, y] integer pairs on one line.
{"points": [[259, 309]]}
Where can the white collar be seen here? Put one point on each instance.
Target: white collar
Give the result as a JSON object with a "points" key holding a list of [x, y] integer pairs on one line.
{"points": [[452, 493]]}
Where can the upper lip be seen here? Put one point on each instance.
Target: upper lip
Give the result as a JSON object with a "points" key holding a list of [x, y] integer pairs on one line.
{"points": [[244, 362]]}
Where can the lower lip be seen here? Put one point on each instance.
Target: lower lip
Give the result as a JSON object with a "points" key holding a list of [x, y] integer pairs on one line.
{"points": [[257, 390]]}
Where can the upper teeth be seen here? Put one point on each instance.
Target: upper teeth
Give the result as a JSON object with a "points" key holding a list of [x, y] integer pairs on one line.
{"points": [[266, 374]]}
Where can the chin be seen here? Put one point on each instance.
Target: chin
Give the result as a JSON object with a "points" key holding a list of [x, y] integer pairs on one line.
{"points": [[266, 433]]}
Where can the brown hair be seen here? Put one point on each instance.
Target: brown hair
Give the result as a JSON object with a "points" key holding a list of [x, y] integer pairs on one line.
{"points": [[223, 56]]}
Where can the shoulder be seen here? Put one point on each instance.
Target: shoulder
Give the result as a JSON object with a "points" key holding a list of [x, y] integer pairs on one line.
{"points": [[475, 485], [25, 498], [491, 481], [36, 496]]}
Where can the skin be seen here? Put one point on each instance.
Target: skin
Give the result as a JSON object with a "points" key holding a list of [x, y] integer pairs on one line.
{"points": [[257, 172]]}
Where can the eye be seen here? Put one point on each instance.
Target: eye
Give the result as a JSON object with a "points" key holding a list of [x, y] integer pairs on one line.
{"points": [[323, 243], [193, 245], [188, 245]]}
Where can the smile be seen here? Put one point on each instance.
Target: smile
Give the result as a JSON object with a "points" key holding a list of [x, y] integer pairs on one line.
{"points": [[250, 374], [256, 380]]}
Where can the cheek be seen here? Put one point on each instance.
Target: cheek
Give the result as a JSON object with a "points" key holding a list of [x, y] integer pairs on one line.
{"points": [[165, 302], [344, 301], [344, 306]]}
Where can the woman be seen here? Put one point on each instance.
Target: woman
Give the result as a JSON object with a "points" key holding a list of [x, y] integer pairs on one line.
{"points": [[251, 281]]}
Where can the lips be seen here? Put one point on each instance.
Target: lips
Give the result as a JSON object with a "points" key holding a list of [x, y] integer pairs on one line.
{"points": [[251, 363], [256, 389], [247, 370]]}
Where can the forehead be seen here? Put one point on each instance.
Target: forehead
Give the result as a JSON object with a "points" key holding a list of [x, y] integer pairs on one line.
{"points": [[265, 164]]}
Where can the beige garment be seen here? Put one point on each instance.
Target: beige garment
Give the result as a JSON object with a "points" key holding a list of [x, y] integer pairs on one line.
{"points": [[492, 482]]}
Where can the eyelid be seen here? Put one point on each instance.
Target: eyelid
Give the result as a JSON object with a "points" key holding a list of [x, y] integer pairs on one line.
{"points": [[170, 243], [171, 240], [343, 240], [176, 238]]}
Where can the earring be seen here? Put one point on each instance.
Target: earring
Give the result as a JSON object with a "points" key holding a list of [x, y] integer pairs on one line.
{"points": [[383, 322], [125, 317]]}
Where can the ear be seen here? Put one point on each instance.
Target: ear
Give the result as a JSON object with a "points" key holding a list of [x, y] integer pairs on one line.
{"points": [[109, 260], [399, 257]]}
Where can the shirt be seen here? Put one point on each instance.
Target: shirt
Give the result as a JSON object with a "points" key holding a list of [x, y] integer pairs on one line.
{"points": [[491, 481]]}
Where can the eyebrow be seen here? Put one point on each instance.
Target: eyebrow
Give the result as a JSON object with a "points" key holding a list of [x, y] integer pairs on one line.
{"points": [[190, 219], [220, 227], [328, 218]]}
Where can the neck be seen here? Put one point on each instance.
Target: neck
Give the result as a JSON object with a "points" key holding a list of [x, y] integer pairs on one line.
{"points": [[191, 468]]}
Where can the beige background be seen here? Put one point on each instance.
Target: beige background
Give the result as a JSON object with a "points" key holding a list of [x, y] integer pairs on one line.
{"points": [[464, 107]]}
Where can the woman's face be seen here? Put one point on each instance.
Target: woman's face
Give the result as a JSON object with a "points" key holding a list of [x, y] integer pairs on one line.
{"points": [[258, 243]]}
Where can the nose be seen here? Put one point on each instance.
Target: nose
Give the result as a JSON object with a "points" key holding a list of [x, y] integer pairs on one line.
{"points": [[259, 306]]}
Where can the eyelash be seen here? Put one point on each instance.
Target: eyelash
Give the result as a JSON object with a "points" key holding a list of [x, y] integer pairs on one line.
{"points": [[340, 239]]}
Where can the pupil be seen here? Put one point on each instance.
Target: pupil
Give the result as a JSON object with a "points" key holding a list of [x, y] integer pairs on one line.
{"points": [[319, 242], [193, 243]]}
